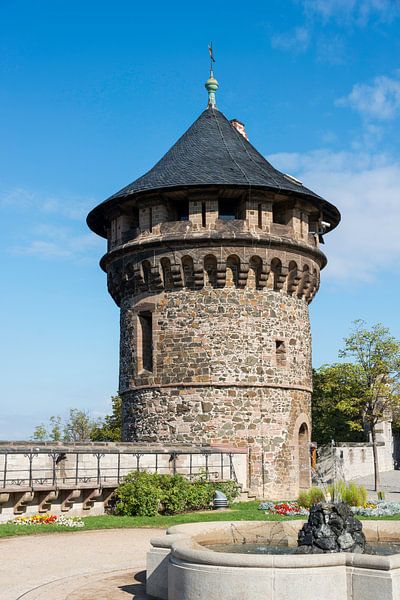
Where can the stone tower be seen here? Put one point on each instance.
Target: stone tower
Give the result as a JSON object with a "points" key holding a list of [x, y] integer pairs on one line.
{"points": [[213, 257]]}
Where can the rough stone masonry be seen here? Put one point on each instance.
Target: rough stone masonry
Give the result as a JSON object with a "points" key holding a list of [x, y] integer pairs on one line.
{"points": [[213, 257]]}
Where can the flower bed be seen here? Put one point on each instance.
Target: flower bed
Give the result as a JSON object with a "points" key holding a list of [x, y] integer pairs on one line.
{"points": [[48, 520], [377, 509], [285, 509], [370, 509]]}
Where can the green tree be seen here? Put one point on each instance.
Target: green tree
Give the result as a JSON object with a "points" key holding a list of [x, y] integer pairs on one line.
{"points": [[40, 433], [51, 433], [110, 429], [79, 426], [376, 354], [336, 411], [55, 428]]}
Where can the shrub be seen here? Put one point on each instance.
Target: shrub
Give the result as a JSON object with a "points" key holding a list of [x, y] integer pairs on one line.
{"points": [[355, 495], [304, 499], [312, 496], [352, 494], [139, 495], [200, 494], [175, 492], [148, 494]]}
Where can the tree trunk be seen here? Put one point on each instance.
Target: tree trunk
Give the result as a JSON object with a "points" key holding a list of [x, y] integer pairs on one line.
{"points": [[377, 479]]}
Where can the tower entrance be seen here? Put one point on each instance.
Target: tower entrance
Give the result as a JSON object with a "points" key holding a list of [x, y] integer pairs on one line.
{"points": [[304, 457]]}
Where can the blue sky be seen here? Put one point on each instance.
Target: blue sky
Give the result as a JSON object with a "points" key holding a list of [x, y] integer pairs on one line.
{"points": [[92, 94]]}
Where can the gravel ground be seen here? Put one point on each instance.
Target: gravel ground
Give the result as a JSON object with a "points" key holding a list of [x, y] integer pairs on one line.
{"points": [[92, 565]]}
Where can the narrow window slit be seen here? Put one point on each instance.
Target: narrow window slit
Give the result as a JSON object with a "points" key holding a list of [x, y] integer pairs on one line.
{"points": [[145, 341]]}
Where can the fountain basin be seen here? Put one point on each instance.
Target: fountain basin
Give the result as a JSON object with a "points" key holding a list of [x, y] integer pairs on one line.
{"points": [[382, 549], [181, 567]]}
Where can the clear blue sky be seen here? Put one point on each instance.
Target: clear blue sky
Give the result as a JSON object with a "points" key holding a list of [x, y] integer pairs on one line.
{"points": [[93, 93]]}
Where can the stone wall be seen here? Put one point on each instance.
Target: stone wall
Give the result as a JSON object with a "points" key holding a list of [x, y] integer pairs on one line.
{"points": [[356, 460], [219, 378], [352, 460]]}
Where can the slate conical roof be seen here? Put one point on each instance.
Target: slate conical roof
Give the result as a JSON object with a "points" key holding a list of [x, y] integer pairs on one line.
{"points": [[213, 153]]}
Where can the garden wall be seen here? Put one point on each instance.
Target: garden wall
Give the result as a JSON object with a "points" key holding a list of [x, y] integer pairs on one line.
{"points": [[352, 460]]}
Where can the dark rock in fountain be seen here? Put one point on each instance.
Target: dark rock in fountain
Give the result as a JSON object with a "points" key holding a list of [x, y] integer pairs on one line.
{"points": [[331, 527]]}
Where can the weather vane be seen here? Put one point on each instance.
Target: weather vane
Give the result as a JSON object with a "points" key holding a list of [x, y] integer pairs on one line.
{"points": [[212, 59], [211, 84]]}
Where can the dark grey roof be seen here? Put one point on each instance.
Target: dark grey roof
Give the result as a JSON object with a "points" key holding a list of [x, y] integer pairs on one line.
{"points": [[213, 152]]}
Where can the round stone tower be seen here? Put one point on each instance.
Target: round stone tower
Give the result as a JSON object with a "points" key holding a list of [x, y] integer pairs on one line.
{"points": [[213, 257]]}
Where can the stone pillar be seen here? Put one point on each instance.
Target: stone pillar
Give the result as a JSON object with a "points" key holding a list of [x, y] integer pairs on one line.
{"points": [[299, 222], [258, 213], [203, 211]]}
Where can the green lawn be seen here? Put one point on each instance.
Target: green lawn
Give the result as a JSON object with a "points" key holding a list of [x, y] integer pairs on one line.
{"points": [[240, 511]]}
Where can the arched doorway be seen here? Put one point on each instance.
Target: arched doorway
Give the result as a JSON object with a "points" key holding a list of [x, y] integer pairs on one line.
{"points": [[304, 457]]}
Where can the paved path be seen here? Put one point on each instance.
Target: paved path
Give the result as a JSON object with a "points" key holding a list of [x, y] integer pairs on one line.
{"points": [[92, 565], [390, 484]]}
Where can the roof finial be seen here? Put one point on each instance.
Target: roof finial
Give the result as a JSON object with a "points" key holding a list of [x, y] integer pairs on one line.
{"points": [[211, 83]]}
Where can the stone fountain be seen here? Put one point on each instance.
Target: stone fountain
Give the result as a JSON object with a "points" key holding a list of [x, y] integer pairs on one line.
{"points": [[331, 527], [181, 565]]}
